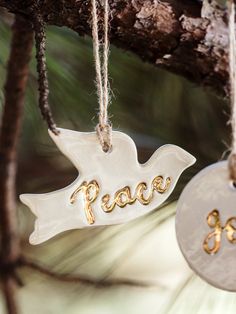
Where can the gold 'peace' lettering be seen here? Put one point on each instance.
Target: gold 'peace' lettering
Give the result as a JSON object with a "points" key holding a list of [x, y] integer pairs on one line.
{"points": [[90, 191], [123, 196]]}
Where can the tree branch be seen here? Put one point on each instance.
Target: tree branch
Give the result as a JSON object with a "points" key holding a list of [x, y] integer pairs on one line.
{"points": [[17, 74], [183, 36], [43, 88], [25, 262], [9, 287]]}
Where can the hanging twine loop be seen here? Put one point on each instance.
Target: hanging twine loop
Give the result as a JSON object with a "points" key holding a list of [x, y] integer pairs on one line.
{"points": [[101, 55], [104, 135], [232, 74]]}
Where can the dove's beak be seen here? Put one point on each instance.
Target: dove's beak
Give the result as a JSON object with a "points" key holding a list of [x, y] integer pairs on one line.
{"points": [[189, 159], [186, 158], [180, 157]]}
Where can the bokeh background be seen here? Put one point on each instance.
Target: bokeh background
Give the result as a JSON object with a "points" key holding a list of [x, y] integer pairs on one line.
{"points": [[154, 107]]}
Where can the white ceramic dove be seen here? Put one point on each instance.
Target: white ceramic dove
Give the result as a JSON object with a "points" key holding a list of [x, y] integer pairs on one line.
{"points": [[112, 188]]}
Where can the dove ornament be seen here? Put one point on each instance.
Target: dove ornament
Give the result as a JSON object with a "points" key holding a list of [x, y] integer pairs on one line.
{"points": [[206, 226], [112, 188]]}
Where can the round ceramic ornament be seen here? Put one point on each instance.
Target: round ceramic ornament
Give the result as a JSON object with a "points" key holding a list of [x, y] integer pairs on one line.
{"points": [[206, 226]]}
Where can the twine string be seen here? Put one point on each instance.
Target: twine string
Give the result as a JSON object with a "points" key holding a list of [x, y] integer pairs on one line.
{"points": [[104, 129], [232, 77]]}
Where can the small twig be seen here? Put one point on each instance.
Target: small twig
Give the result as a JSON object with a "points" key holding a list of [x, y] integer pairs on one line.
{"points": [[40, 42], [11, 119], [101, 283], [10, 295]]}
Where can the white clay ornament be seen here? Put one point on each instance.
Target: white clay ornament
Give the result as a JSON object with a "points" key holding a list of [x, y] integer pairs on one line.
{"points": [[112, 188], [206, 226]]}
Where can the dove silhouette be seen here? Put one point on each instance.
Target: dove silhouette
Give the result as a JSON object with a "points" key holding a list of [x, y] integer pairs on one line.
{"points": [[112, 188]]}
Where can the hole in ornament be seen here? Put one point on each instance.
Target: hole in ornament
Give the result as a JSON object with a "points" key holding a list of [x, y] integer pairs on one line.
{"points": [[108, 150]]}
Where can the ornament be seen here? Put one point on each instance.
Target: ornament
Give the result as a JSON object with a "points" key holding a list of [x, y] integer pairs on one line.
{"points": [[206, 226], [206, 211], [112, 188]]}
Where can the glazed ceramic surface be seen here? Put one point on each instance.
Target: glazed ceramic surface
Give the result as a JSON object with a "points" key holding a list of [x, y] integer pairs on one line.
{"points": [[112, 188], [206, 224]]}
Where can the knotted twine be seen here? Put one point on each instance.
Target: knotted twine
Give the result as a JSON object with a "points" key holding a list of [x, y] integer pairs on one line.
{"points": [[232, 74], [101, 54]]}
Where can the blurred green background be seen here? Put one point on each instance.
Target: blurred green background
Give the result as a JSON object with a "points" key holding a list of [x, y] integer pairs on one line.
{"points": [[154, 107]]}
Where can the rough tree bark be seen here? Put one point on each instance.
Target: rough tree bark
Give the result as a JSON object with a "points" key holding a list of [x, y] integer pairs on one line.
{"points": [[17, 74], [187, 37]]}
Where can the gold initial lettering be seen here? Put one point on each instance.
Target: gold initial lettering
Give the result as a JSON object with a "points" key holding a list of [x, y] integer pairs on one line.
{"points": [[213, 221], [90, 193]]}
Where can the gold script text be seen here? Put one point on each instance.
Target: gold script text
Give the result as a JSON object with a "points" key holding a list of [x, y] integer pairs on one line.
{"points": [[213, 221], [90, 192]]}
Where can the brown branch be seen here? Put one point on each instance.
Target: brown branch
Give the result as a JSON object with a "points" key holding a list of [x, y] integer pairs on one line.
{"points": [[186, 37], [101, 283], [40, 42], [9, 287], [17, 74]]}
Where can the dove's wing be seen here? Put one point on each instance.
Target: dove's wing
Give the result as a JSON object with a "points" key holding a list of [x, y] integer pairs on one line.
{"points": [[175, 155], [85, 151]]}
